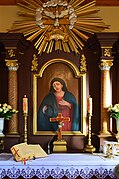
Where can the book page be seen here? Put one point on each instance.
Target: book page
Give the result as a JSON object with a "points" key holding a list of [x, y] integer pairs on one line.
{"points": [[27, 151], [20, 151], [37, 150]]}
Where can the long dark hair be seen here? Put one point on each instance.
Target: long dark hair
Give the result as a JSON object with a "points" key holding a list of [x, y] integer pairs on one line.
{"points": [[64, 88]]}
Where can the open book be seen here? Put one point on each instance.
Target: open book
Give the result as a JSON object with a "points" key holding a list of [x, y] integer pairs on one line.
{"points": [[24, 151]]}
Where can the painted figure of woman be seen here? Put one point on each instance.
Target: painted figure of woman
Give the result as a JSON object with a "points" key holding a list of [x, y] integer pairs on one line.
{"points": [[59, 100]]}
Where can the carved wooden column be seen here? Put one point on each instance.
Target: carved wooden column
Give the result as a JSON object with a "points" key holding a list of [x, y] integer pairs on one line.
{"points": [[106, 41], [13, 94], [106, 95]]}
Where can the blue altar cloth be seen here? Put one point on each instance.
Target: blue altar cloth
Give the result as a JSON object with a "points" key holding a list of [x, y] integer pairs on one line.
{"points": [[60, 165]]}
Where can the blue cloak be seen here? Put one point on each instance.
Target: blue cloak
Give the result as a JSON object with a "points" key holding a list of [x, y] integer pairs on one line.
{"points": [[44, 123]]}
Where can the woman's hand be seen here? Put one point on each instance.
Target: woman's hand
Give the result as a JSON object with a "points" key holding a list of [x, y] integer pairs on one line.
{"points": [[64, 103], [44, 109]]}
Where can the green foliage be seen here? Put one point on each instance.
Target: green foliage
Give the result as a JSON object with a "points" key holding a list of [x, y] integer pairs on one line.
{"points": [[114, 111]]}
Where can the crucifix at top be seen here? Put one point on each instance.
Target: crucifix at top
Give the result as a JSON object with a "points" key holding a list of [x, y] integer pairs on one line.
{"points": [[60, 119]]}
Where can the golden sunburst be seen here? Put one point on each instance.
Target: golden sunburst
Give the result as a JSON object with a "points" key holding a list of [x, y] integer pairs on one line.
{"points": [[57, 24]]}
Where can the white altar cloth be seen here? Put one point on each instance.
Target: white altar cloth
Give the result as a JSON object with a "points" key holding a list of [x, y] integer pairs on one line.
{"points": [[60, 165]]}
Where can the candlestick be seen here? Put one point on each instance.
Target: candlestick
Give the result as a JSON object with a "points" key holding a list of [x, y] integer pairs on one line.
{"points": [[89, 105], [89, 147], [25, 127], [25, 104]]}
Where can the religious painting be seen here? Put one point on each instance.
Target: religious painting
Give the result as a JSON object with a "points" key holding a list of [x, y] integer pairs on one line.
{"points": [[58, 91]]}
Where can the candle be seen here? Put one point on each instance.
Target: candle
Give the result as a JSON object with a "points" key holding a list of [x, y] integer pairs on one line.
{"points": [[89, 105], [25, 104]]}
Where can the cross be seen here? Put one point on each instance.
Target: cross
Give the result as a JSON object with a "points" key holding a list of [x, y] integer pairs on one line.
{"points": [[16, 151], [60, 119]]}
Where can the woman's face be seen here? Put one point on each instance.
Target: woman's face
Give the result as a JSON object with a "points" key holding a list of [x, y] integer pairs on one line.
{"points": [[57, 86]]}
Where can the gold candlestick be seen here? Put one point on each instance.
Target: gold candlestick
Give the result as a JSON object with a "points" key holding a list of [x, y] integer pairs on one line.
{"points": [[25, 114], [89, 147], [25, 127]]}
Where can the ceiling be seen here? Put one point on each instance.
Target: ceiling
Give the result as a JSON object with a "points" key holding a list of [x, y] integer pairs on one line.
{"points": [[98, 2]]}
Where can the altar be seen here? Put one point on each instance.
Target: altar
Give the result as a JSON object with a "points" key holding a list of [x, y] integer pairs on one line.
{"points": [[59, 166]]}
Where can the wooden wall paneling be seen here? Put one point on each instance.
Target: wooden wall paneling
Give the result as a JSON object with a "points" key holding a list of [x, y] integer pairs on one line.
{"points": [[107, 3], [7, 2]]}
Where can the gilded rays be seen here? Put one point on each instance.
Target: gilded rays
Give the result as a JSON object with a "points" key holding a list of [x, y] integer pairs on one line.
{"points": [[57, 24]]}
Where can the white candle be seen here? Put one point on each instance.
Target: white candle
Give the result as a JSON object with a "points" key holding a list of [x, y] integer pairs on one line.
{"points": [[25, 104], [89, 105]]}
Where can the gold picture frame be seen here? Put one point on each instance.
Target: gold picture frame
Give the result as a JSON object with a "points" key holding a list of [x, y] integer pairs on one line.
{"points": [[41, 79]]}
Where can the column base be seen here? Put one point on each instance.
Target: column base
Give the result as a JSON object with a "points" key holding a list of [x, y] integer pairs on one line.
{"points": [[103, 133], [12, 133], [60, 146]]}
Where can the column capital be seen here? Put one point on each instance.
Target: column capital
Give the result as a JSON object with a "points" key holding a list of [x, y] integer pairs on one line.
{"points": [[13, 65], [105, 64]]}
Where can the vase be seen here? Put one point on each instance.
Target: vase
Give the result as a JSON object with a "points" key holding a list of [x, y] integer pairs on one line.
{"points": [[1, 126], [117, 126]]}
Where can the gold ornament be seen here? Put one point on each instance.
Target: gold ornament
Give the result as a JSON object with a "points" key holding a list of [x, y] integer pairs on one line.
{"points": [[57, 24]]}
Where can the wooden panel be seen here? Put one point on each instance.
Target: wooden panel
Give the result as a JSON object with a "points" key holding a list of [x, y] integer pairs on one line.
{"points": [[98, 2], [107, 2], [7, 2]]}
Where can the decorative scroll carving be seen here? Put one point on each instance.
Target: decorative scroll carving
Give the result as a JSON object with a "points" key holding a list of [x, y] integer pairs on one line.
{"points": [[11, 53], [105, 64], [34, 63], [12, 64], [83, 64], [107, 52]]}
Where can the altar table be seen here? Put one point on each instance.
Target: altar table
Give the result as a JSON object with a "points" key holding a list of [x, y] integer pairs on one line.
{"points": [[59, 165]]}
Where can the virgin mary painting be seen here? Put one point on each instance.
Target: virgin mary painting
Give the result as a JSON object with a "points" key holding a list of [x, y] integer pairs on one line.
{"points": [[59, 100]]}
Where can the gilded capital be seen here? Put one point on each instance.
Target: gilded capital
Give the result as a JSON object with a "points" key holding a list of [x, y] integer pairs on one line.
{"points": [[106, 64], [12, 65]]}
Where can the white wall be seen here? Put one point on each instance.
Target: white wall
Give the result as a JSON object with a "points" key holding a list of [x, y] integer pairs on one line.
{"points": [[110, 15]]}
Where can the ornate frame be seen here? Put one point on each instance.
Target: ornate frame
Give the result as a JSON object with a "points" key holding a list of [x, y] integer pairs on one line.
{"points": [[77, 75]]}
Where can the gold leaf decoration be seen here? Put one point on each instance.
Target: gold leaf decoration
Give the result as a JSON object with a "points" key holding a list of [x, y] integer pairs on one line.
{"points": [[83, 63], [57, 24], [34, 66]]}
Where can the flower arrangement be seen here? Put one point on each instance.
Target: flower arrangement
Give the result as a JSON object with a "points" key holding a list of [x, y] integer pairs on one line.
{"points": [[114, 111], [6, 111]]}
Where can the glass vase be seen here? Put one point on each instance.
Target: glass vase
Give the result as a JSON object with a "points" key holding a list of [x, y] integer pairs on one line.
{"points": [[1, 126], [117, 126]]}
